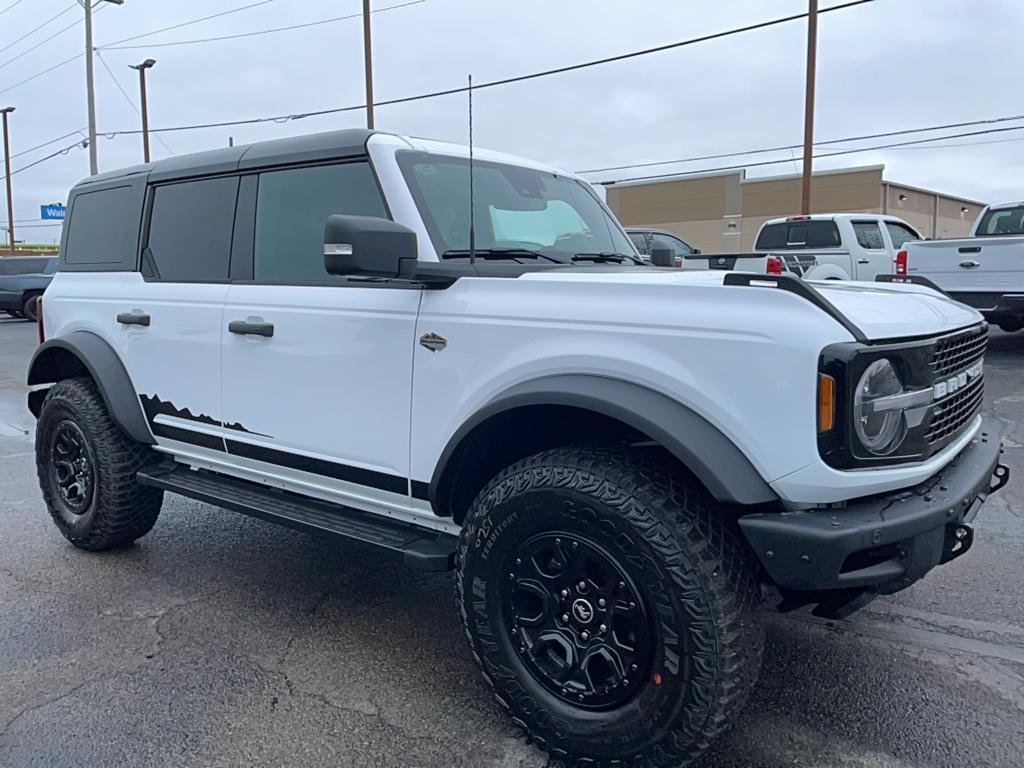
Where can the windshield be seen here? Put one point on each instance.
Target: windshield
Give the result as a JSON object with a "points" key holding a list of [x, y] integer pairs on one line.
{"points": [[514, 207], [1002, 221]]}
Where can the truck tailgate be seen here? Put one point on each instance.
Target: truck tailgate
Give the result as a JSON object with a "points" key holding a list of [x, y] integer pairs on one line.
{"points": [[973, 264]]}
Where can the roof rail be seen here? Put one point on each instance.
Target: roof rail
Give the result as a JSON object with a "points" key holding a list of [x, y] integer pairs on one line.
{"points": [[802, 289]]}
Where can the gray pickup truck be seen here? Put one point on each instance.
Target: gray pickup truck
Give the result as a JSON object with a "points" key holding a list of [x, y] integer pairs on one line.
{"points": [[22, 281]]}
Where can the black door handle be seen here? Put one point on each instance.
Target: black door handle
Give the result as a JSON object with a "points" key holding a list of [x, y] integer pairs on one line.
{"points": [[969, 249], [246, 328], [133, 318]]}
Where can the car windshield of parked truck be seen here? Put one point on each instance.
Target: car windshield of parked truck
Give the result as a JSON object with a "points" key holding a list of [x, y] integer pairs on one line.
{"points": [[793, 235], [514, 208], [1002, 221]]}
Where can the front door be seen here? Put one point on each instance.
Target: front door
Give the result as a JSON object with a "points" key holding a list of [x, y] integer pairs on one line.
{"points": [[317, 369]]}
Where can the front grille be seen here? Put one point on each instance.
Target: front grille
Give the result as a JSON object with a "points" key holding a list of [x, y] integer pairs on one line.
{"points": [[951, 413], [954, 353]]}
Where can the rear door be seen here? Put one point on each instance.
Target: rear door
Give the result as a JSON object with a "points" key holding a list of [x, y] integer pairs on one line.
{"points": [[321, 402], [167, 317]]}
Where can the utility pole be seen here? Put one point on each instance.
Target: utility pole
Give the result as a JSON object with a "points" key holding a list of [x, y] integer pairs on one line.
{"points": [[368, 65], [90, 89], [7, 167], [147, 64], [812, 55]]}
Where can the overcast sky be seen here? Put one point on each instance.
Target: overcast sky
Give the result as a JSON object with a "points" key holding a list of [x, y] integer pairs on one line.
{"points": [[886, 65]]}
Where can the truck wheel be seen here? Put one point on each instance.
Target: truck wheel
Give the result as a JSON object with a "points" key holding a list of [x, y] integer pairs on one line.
{"points": [[86, 467], [1010, 324], [29, 307], [612, 611]]}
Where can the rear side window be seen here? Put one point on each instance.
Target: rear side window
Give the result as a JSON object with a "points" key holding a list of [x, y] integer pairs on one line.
{"points": [[1002, 221], [900, 234], [103, 228], [798, 234], [190, 230], [868, 235], [292, 207]]}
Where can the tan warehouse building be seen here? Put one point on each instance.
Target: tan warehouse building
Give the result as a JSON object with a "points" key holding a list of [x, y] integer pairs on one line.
{"points": [[722, 212]]}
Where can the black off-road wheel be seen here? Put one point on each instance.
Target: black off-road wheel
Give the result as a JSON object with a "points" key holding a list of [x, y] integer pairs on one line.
{"points": [[611, 609], [87, 466]]}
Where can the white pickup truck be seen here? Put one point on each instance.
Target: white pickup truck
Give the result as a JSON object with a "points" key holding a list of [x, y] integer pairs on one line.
{"points": [[835, 246], [984, 270], [829, 246]]}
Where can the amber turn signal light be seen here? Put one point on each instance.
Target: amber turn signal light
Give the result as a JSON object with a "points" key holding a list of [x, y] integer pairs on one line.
{"points": [[826, 402]]}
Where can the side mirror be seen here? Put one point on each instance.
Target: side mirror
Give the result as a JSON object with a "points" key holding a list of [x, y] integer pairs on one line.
{"points": [[367, 246], [661, 254], [696, 251]]}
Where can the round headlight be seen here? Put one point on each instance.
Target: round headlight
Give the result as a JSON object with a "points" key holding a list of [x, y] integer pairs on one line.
{"points": [[878, 431]]}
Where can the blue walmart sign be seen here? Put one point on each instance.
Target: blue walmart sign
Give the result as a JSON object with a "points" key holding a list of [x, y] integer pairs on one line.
{"points": [[51, 212]]}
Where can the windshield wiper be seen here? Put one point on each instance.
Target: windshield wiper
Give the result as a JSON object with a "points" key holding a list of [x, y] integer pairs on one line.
{"points": [[605, 257], [498, 253]]}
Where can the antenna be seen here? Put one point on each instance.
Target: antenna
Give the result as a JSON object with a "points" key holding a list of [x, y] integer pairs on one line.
{"points": [[472, 228]]}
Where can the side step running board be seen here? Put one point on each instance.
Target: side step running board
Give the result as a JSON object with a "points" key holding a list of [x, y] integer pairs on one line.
{"points": [[421, 548]]}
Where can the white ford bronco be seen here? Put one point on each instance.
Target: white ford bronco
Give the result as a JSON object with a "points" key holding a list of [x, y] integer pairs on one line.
{"points": [[619, 461]]}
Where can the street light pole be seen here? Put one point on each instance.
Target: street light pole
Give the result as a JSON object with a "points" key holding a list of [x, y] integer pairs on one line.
{"points": [[7, 167], [90, 89], [368, 64], [812, 55], [147, 64]]}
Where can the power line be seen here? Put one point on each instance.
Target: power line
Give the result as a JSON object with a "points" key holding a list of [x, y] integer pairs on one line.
{"points": [[80, 131], [815, 157], [36, 29], [128, 98], [788, 147], [79, 144], [44, 72], [257, 32], [5, 10], [41, 43], [503, 81], [188, 23]]}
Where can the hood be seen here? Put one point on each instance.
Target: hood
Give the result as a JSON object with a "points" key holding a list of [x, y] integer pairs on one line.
{"points": [[879, 310], [888, 311]]}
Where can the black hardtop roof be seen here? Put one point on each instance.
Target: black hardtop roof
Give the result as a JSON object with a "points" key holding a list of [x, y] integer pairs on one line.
{"points": [[349, 142]]}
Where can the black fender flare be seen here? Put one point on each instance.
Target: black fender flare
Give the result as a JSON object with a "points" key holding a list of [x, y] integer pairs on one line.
{"points": [[716, 461], [96, 357]]}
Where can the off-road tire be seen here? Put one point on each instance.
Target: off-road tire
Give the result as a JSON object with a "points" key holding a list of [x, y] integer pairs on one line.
{"points": [[695, 569], [1010, 324], [30, 306], [120, 510]]}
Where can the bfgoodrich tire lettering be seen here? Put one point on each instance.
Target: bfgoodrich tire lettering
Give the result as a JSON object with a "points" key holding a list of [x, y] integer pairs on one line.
{"points": [[699, 586], [102, 507]]}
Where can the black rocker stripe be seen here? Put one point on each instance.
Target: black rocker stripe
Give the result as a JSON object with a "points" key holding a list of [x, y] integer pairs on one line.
{"points": [[419, 490], [346, 472], [188, 436]]}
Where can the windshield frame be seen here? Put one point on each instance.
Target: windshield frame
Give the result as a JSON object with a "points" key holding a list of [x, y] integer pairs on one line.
{"points": [[406, 157]]}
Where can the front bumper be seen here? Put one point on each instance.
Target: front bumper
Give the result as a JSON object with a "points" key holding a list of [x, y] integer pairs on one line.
{"points": [[884, 543]]}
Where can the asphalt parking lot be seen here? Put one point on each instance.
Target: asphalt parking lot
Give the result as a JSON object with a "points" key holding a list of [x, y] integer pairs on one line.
{"points": [[219, 640]]}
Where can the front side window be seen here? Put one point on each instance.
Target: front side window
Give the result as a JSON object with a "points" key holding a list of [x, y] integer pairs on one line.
{"points": [[869, 236], [900, 234], [292, 207], [679, 248], [640, 241], [514, 207], [190, 230], [1002, 221]]}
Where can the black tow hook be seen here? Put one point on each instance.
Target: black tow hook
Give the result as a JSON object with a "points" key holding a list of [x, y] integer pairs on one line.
{"points": [[959, 538]]}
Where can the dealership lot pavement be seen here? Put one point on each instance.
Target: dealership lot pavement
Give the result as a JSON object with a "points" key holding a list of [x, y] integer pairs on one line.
{"points": [[219, 641]]}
